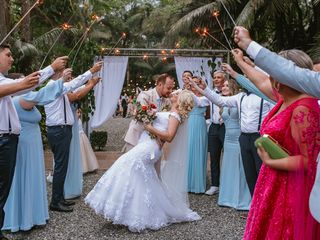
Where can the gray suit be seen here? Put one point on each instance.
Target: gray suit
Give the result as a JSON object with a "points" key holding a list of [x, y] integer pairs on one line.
{"points": [[286, 72]]}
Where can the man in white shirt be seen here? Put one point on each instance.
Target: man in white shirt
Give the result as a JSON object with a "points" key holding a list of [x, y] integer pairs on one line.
{"points": [[9, 121], [59, 121], [216, 135]]}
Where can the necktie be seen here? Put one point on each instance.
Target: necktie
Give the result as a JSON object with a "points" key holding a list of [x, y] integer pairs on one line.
{"points": [[159, 103]]}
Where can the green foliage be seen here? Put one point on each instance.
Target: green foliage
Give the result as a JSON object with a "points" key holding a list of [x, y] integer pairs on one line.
{"points": [[98, 139]]}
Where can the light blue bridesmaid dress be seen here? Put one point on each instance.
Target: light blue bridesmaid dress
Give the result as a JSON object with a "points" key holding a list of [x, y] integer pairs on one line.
{"points": [[27, 204], [197, 150], [74, 180], [234, 191]]}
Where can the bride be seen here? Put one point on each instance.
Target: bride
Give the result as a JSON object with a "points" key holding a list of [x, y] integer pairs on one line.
{"points": [[130, 193]]}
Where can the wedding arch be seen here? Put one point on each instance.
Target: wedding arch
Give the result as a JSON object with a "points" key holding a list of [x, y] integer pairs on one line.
{"points": [[199, 61]]}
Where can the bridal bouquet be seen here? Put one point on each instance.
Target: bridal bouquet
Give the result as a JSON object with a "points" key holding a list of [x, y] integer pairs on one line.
{"points": [[146, 114]]}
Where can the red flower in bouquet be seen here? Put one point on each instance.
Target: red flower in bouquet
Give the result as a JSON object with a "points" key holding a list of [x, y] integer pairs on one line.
{"points": [[144, 108]]}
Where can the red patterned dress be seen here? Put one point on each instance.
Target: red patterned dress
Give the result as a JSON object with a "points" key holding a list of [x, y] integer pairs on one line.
{"points": [[280, 208]]}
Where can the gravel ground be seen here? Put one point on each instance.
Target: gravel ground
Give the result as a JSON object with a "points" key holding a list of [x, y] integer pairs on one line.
{"points": [[217, 222], [116, 128], [83, 223]]}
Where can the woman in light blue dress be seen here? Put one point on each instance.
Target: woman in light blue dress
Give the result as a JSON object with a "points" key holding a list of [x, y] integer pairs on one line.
{"points": [[197, 144], [234, 191], [27, 203], [74, 179]]}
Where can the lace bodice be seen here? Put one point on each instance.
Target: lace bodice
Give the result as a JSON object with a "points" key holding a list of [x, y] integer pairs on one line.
{"points": [[162, 120]]}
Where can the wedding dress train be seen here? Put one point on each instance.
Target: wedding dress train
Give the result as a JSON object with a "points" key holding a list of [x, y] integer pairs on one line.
{"points": [[130, 193]]}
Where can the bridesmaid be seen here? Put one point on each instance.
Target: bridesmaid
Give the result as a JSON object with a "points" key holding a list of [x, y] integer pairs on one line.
{"points": [[89, 160], [74, 178], [27, 204], [197, 144], [234, 191]]}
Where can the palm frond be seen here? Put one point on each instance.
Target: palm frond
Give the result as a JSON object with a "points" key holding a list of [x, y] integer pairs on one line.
{"points": [[143, 65], [97, 34], [26, 50], [186, 21]]}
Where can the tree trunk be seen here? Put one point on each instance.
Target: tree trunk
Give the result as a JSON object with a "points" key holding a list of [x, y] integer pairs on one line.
{"points": [[4, 18], [25, 25]]}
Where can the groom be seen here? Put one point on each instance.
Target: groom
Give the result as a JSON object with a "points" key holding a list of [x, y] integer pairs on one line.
{"points": [[159, 96]]}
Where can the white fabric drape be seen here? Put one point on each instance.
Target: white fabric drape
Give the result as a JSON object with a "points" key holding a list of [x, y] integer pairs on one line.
{"points": [[198, 66], [107, 92]]}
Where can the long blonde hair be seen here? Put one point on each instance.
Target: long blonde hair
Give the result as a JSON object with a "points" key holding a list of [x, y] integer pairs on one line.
{"points": [[185, 103]]}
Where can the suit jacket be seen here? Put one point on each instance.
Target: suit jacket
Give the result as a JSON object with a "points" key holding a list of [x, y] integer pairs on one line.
{"points": [[135, 129], [286, 72]]}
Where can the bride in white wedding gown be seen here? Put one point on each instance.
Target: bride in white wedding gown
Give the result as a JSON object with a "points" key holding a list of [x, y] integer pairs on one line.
{"points": [[130, 193]]}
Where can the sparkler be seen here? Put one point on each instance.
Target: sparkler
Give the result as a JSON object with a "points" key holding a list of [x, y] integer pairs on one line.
{"points": [[216, 14], [64, 27], [38, 2], [205, 33], [123, 36], [225, 8], [95, 19]]}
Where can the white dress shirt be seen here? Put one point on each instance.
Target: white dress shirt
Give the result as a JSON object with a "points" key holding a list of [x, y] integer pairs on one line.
{"points": [[253, 49], [250, 108], [7, 109], [215, 116], [55, 110]]}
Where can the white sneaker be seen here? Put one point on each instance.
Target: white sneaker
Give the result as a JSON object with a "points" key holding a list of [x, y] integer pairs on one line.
{"points": [[212, 190], [50, 178]]}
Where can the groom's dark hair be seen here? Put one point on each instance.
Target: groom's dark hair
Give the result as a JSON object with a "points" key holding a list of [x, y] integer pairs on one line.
{"points": [[162, 78]]}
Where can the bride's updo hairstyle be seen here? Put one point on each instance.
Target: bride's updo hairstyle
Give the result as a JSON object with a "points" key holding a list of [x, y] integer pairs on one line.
{"points": [[185, 103]]}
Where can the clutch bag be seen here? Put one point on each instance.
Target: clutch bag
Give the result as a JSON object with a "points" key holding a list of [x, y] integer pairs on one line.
{"points": [[272, 147]]}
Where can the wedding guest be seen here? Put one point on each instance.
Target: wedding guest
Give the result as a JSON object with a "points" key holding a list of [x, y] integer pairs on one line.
{"points": [[74, 179], [124, 106], [185, 78], [252, 110], [197, 143], [9, 122], [130, 111], [286, 72], [245, 82], [216, 135], [59, 121], [27, 204], [234, 191], [89, 160], [316, 65], [295, 124]]}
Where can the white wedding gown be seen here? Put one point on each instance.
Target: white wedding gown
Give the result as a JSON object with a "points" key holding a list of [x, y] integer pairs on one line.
{"points": [[130, 192]]}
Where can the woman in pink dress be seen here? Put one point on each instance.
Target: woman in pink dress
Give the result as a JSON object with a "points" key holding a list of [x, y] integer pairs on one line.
{"points": [[279, 208]]}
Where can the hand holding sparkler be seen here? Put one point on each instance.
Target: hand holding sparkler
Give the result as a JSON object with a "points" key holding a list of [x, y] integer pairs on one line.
{"points": [[96, 67], [242, 37], [59, 63]]}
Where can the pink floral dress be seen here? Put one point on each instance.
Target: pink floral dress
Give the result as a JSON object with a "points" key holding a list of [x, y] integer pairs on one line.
{"points": [[279, 208]]}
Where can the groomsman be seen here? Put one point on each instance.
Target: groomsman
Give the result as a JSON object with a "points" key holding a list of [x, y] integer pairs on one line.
{"points": [[159, 96], [9, 121], [59, 121], [216, 135]]}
